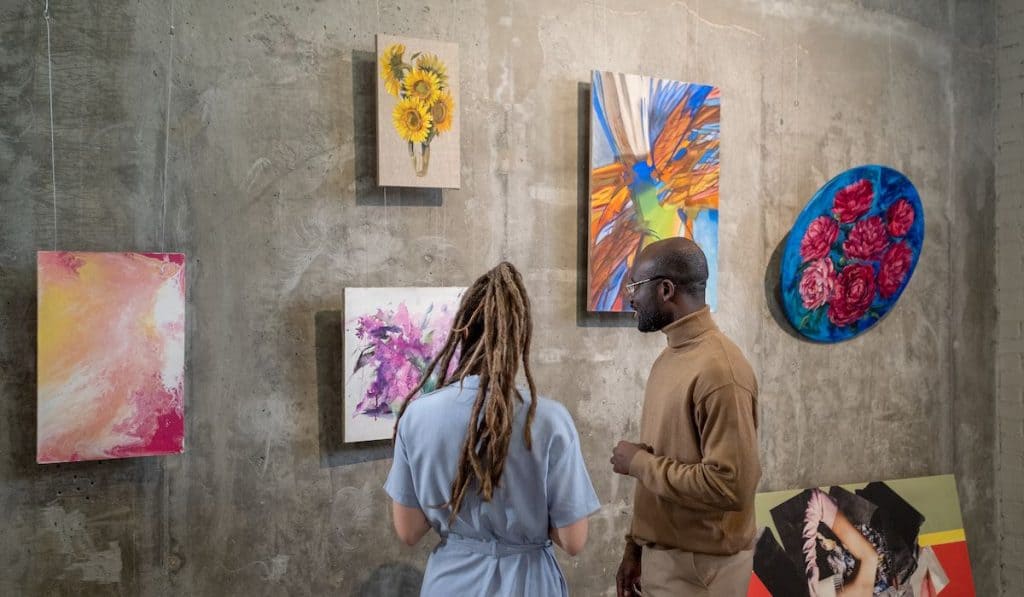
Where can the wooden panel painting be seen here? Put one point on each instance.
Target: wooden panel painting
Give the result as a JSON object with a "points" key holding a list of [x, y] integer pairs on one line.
{"points": [[418, 113], [654, 168], [111, 355]]}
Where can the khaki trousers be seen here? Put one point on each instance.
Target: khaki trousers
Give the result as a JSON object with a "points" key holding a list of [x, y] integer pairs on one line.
{"points": [[675, 573]]}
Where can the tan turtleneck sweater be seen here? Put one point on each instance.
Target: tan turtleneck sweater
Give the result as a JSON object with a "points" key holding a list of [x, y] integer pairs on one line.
{"points": [[696, 491]]}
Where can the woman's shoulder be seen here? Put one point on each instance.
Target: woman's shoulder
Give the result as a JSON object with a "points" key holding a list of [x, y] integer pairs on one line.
{"points": [[553, 417], [433, 400]]}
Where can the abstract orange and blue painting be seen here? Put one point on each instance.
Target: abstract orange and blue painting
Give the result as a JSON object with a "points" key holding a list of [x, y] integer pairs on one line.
{"points": [[111, 355], [654, 168]]}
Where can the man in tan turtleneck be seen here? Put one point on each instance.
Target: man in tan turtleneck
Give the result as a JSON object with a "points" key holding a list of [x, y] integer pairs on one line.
{"points": [[697, 462]]}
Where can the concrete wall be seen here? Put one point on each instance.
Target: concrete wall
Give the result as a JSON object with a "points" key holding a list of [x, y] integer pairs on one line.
{"points": [[242, 133], [1010, 292]]}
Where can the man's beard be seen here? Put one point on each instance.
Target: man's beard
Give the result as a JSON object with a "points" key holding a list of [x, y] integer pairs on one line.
{"points": [[651, 321]]}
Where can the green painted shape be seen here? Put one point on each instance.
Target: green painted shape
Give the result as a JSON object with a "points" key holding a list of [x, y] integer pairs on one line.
{"points": [[660, 222]]}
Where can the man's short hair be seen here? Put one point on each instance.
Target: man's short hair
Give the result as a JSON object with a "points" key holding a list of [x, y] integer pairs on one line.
{"points": [[686, 265]]}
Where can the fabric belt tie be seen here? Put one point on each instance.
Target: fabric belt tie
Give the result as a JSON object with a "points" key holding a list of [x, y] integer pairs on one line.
{"points": [[495, 549]]}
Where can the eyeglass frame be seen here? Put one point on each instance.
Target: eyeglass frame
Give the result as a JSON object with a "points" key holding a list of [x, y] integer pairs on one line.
{"points": [[632, 286]]}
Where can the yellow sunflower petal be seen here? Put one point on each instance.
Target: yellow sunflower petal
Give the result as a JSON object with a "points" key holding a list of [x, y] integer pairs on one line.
{"points": [[431, 63], [412, 120], [442, 112], [422, 85], [391, 67]]}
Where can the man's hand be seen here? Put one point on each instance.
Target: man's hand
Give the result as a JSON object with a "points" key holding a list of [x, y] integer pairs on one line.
{"points": [[623, 454], [627, 581]]}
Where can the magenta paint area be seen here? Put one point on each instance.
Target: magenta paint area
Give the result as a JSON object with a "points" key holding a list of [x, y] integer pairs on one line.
{"points": [[391, 336]]}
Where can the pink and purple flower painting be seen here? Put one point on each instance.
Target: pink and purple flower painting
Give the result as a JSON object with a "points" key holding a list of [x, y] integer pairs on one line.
{"points": [[851, 253], [391, 335]]}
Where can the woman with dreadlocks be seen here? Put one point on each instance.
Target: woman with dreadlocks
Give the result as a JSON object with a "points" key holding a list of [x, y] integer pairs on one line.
{"points": [[495, 472]]}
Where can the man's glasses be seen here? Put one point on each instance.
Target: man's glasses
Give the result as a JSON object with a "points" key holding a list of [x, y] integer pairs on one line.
{"points": [[632, 286]]}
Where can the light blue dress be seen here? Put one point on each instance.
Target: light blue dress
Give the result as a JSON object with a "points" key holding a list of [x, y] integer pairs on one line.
{"points": [[499, 547]]}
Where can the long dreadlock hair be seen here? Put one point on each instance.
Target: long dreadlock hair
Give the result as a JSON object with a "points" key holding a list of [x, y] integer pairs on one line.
{"points": [[491, 334]]}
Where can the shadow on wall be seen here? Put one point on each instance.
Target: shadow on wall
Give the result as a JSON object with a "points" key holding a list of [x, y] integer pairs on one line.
{"points": [[330, 383], [364, 126], [391, 580], [584, 318], [18, 319], [773, 291]]}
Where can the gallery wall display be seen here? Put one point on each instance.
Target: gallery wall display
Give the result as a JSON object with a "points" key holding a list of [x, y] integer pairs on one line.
{"points": [[391, 335], [900, 538], [111, 355], [851, 253], [654, 167], [418, 120]]}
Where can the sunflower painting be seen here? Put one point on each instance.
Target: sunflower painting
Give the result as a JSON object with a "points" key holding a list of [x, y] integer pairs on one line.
{"points": [[653, 175], [417, 113]]}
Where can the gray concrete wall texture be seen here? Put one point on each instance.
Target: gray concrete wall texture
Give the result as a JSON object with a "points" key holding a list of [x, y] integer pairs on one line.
{"points": [[242, 133], [1010, 292]]}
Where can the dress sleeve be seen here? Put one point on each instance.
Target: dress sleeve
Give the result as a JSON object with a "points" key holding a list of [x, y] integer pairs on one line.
{"points": [[400, 485], [570, 493]]}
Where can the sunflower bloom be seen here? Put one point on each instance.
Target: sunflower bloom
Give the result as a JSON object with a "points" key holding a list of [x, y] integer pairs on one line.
{"points": [[412, 120], [431, 63], [442, 112], [421, 85], [391, 67]]}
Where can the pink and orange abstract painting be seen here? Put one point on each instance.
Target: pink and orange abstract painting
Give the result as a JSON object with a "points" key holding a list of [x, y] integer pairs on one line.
{"points": [[111, 355]]}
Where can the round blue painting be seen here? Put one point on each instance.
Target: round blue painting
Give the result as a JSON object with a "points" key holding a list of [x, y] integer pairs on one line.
{"points": [[851, 253]]}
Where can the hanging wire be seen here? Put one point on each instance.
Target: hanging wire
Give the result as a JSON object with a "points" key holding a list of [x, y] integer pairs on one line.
{"points": [[53, 160]]}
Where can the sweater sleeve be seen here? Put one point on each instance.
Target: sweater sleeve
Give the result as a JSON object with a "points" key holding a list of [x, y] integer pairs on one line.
{"points": [[727, 475]]}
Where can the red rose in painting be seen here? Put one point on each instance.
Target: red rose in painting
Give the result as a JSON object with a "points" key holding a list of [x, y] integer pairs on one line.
{"points": [[895, 265], [817, 283], [818, 239], [901, 217], [867, 239], [853, 294], [853, 201]]}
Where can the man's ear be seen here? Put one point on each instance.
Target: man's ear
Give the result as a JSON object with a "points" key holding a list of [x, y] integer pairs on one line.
{"points": [[667, 289]]}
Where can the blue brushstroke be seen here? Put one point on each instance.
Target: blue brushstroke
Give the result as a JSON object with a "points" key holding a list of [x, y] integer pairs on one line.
{"points": [[710, 157], [606, 300], [596, 94], [705, 234], [697, 98], [665, 96], [604, 231]]}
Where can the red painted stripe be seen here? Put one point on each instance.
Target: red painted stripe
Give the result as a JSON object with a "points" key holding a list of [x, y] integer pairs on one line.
{"points": [[957, 564], [757, 588], [955, 561]]}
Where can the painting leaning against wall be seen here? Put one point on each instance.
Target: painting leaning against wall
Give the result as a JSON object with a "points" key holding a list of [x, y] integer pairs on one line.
{"points": [[902, 537], [654, 167], [391, 336]]}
